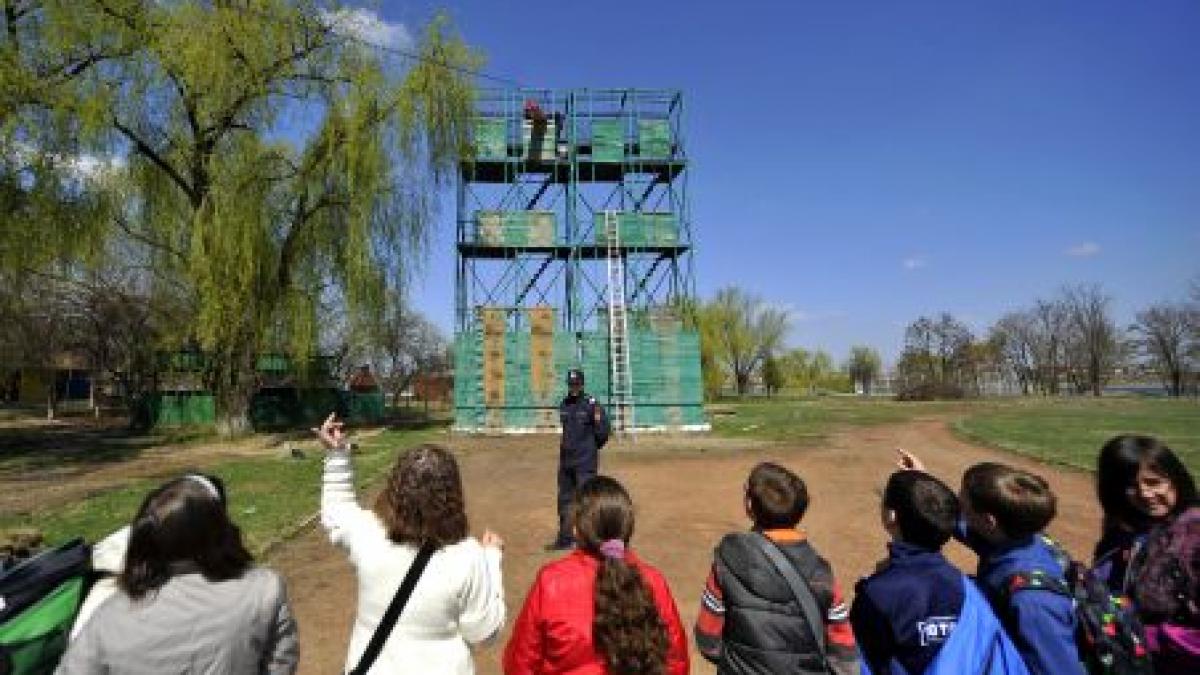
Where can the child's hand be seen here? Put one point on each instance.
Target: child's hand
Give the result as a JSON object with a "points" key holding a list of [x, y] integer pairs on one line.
{"points": [[908, 461], [332, 433], [492, 539]]}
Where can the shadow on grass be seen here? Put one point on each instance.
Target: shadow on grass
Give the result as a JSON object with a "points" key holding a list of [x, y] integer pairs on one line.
{"points": [[73, 444]]}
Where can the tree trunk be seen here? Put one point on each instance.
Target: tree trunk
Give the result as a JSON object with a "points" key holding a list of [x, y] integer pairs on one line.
{"points": [[743, 383], [233, 412], [233, 387]]}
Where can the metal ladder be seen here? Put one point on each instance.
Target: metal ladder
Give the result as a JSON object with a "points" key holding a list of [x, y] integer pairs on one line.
{"points": [[621, 378]]}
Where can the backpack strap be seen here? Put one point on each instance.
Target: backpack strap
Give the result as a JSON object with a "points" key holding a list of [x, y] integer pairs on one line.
{"points": [[1033, 580], [384, 629], [800, 589]]}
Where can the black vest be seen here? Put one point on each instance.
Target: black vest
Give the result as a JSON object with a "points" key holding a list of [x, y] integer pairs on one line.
{"points": [[765, 630]]}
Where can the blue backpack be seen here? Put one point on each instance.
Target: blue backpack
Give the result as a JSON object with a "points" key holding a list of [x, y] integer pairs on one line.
{"points": [[977, 646]]}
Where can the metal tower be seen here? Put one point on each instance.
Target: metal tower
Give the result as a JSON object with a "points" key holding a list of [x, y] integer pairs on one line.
{"points": [[574, 244]]}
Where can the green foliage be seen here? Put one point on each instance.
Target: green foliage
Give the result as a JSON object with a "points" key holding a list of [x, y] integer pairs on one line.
{"points": [[864, 366], [252, 222], [738, 331], [773, 375]]}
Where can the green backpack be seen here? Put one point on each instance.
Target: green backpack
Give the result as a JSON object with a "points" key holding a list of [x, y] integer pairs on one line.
{"points": [[38, 602]]}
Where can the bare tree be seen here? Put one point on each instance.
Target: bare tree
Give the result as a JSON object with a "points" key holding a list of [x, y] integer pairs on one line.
{"points": [[400, 344], [1051, 326], [1095, 345], [35, 329], [1014, 337], [1165, 333], [939, 359]]}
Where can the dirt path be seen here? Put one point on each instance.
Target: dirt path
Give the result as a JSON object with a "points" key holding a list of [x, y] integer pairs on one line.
{"points": [[685, 503]]}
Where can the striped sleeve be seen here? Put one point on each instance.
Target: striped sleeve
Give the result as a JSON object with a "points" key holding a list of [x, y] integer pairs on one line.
{"points": [[710, 624], [338, 502], [839, 636]]}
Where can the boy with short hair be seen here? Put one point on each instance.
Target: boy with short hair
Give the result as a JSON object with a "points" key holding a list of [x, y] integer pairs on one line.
{"points": [[1004, 510], [751, 620], [906, 611]]}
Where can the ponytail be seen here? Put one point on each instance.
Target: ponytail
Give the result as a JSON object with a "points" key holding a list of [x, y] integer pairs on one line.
{"points": [[627, 630]]}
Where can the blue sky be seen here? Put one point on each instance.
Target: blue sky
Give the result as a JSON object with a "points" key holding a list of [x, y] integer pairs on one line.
{"points": [[862, 163]]}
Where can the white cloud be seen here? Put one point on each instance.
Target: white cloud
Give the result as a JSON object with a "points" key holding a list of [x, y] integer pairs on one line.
{"points": [[1085, 249], [913, 263], [367, 25]]}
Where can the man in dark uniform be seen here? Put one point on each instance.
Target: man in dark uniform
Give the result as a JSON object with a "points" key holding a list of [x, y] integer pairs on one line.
{"points": [[584, 432]]}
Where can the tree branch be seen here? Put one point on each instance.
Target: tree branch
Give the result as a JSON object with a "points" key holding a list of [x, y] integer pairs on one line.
{"points": [[149, 241], [144, 148]]}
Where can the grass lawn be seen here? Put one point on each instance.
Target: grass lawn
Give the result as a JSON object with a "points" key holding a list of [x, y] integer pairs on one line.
{"points": [[1065, 431], [269, 497], [1071, 431], [808, 420]]}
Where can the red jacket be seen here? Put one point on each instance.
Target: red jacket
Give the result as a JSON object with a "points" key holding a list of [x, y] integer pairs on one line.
{"points": [[553, 634]]}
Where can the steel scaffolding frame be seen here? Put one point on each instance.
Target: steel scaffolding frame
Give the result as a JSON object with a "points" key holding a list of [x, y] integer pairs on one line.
{"points": [[585, 153]]}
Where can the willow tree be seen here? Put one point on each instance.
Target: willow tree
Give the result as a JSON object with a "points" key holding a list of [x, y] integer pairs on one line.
{"points": [[272, 161]]}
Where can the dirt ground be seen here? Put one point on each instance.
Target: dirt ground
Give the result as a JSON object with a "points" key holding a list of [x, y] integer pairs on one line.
{"points": [[688, 493]]}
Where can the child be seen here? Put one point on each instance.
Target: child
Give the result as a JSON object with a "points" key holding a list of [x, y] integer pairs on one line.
{"points": [[904, 613], [601, 608], [1004, 510], [751, 620], [1150, 550]]}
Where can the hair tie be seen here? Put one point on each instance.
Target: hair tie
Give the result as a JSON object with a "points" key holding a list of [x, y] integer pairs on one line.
{"points": [[207, 483], [613, 548]]}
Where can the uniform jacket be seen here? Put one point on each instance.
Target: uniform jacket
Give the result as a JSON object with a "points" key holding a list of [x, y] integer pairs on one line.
{"points": [[978, 644], [903, 614], [193, 626], [577, 414], [1040, 623], [554, 631]]}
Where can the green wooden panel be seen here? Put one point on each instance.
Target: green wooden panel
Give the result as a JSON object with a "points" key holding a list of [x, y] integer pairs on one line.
{"points": [[639, 229], [182, 409], [608, 140], [515, 228], [491, 138], [654, 139]]}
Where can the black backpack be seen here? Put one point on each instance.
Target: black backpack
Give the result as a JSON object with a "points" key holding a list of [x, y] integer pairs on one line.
{"points": [[1108, 635]]}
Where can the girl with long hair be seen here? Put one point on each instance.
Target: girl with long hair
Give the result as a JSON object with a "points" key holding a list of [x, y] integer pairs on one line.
{"points": [[1150, 546], [599, 609], [188, 598]]}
